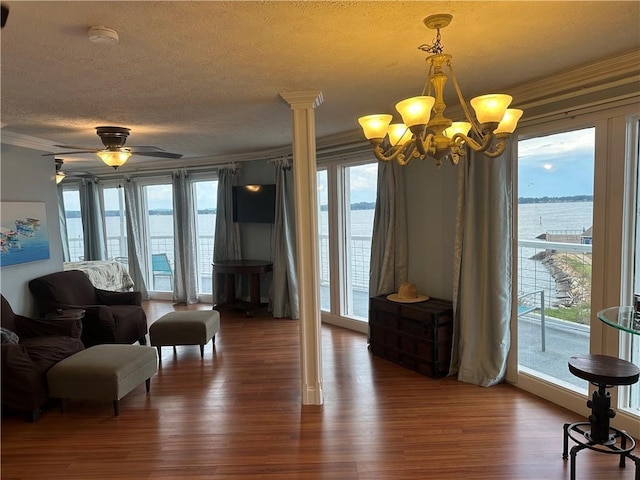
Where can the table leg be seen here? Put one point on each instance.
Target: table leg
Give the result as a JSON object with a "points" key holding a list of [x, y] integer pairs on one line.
{"points": [[229, 287], [255, 289]]}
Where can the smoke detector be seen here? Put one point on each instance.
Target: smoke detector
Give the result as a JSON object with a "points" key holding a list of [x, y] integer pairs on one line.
{"points": [[104, 35]]}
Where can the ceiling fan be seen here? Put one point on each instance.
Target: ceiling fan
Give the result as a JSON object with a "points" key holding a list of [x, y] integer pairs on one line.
{"points": [[115, 154], [62, 175]]}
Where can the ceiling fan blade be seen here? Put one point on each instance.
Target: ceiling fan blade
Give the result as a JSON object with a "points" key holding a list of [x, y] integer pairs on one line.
{"points": [[157, 154], [68, 153], [75, 147], [145, 147]]}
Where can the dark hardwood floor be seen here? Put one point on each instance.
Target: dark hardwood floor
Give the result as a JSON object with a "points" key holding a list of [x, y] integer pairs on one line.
{"points": [[236, 414]]}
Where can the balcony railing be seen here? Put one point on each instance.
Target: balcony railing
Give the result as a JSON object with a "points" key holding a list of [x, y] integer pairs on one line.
{"points": [[533, 269], [159, 244]]}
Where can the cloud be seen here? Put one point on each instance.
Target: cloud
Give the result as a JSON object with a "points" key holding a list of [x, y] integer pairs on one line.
{"points": [[557, 165]]}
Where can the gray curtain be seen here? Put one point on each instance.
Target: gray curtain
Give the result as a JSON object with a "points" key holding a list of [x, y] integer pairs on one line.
{"points": [[284, 287], [482, 269], [137, 251], [92, 212], [226, 245], [388, 266], [64, 235], [184, 229]]}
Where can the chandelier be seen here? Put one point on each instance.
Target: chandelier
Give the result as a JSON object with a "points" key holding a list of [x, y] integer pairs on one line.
{"points": [[426, 132]]}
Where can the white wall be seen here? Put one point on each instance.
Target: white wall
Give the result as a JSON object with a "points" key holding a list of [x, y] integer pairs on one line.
{"points": [[27, 176]]}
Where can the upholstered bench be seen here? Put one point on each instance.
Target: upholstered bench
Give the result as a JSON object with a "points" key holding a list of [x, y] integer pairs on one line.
{"points": [[102, 372], [189, 327]]}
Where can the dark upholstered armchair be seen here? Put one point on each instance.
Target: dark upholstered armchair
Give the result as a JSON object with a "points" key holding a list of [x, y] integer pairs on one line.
{"points": [[110, 317], [40, 345]]}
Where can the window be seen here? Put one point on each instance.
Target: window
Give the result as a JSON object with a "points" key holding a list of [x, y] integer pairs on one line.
{"points": [[630, 344], [75, 234], [346, 204], [360, 188], [115, 223], [323, 240], [555, 220], [206, 198], [159, 209]]}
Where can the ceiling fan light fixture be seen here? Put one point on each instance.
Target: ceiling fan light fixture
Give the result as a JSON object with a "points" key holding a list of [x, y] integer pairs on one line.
{"points": [[104, 35], [114, 158], [59, 173]]}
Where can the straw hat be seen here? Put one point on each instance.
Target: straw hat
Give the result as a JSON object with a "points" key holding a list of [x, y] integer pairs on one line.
{"points": [[407, 293]]}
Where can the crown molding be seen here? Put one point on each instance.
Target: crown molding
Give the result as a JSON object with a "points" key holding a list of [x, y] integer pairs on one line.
{"points": [[609, 73], [614, 77], [25, 141]]}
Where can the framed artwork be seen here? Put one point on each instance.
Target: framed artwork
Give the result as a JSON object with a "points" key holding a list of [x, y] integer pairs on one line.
{"points": [[23, 233]]}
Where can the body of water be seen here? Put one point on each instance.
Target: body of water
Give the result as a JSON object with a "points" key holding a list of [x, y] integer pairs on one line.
{"points": [[533, 220], [537, 218]]}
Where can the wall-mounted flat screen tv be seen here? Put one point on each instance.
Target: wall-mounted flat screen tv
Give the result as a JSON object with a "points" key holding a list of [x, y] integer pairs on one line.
{"points": [[254, 203]]}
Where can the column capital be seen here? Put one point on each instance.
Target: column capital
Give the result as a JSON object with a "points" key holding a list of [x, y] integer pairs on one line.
{"points": [[303, 100]]}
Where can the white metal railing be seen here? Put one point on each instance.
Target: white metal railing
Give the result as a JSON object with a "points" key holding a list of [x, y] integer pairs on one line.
{"points": [[360, 250], [560, 246], [532, 275], [159, 244]]}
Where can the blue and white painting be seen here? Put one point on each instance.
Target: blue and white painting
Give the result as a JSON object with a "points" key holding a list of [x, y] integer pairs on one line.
{"points": [[23, 233]]}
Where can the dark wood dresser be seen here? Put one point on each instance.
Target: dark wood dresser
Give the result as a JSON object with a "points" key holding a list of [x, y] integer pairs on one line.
{"points": [[414, 335]]}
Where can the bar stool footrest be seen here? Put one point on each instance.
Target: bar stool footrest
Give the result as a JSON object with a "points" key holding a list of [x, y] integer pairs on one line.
{"points": [[582, 436]]}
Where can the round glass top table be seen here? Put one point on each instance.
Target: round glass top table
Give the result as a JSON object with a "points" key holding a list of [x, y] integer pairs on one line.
{"points": [[622, 318]]}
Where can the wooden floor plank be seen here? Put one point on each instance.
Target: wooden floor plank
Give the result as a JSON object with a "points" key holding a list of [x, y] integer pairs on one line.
{"points": [[236, 414]]}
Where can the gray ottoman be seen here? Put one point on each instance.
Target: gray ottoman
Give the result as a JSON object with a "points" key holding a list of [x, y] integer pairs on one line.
{"points": [[102, 372], [188, 327]]}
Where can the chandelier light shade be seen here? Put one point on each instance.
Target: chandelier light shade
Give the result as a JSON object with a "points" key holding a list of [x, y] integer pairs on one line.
{"points": [[114, 157], [426, 132]]}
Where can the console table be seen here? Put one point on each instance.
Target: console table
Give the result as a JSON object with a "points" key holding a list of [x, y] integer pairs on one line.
{"points": [[231, 268]]}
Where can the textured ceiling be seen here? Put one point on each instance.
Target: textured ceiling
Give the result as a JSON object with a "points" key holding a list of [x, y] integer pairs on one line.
{"points": [[202, 78]]}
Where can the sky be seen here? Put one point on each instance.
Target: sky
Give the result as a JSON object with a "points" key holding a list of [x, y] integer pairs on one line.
{"points": [[557, 165]]}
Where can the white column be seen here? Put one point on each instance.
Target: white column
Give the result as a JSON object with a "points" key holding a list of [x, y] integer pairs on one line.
{"points": [[304, 170]]}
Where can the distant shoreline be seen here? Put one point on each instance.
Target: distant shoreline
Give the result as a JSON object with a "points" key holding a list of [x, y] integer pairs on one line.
{"points": [[354, 206], [574, 198]]}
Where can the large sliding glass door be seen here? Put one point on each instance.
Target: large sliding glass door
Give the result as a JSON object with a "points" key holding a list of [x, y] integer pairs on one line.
{"points": [[555, 220], [576, 252]]}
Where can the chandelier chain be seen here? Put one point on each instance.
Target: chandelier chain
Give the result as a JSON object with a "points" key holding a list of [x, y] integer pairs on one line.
{"points": [[436, 47]]}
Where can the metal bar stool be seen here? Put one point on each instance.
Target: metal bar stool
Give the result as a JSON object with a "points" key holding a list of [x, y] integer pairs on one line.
{"points": [[603, 372]]}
